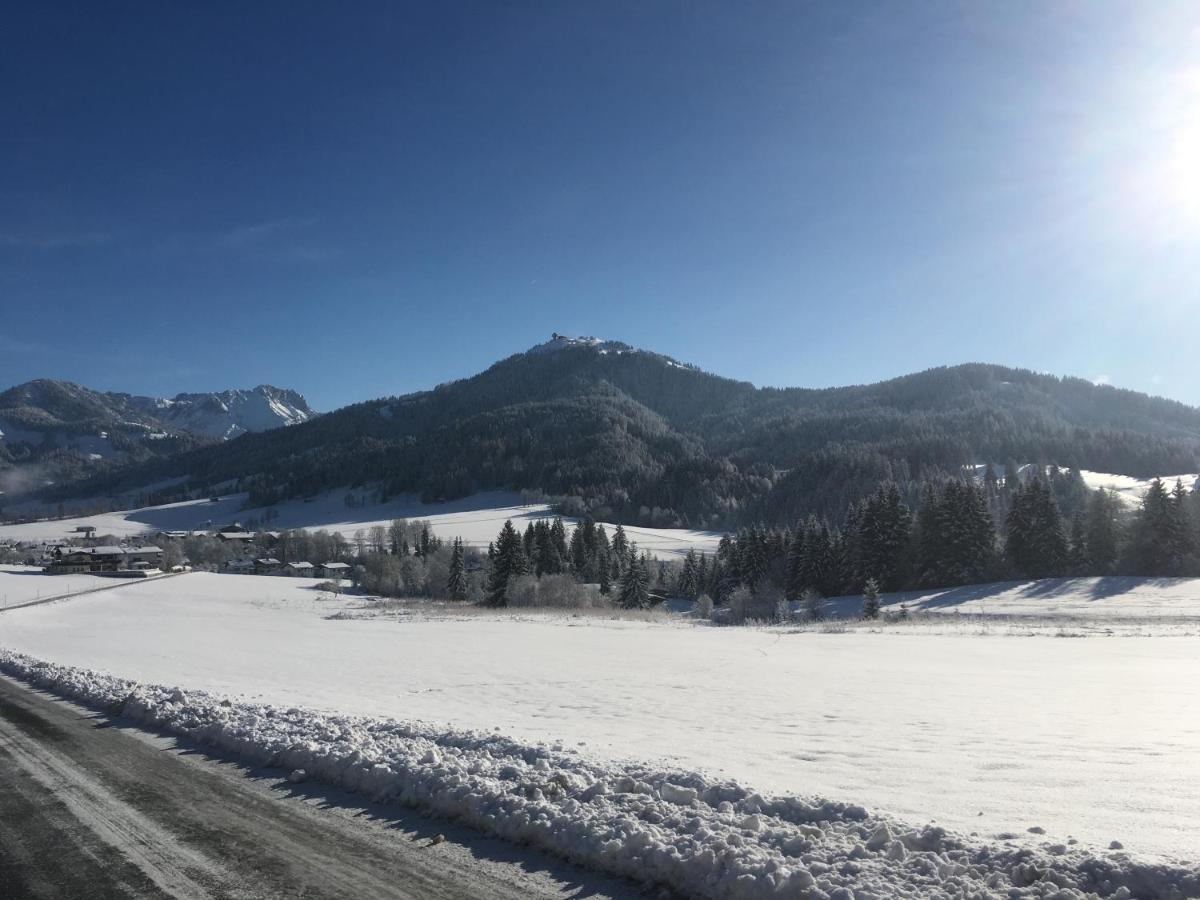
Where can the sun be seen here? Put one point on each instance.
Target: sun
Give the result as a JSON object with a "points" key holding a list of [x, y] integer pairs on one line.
{"points": [[1164, 183]]}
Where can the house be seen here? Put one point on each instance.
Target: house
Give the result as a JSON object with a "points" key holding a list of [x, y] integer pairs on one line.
{"points": [[244, 538], [240, 566], [147, 554], [302, 569], [102, 560], [333, 570], [68, 561], [234, 528], [267, 566]]}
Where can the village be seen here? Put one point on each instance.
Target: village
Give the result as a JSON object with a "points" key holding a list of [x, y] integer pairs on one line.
{"points": [[83, 553]]}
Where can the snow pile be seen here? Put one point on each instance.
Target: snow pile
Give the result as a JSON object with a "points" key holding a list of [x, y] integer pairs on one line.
{"points": [[700, 837]]}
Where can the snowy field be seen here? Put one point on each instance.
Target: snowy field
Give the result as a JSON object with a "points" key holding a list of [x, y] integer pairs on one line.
{"points": [[22, 584], [1099, 599], [1094, 739], [476, 519], [1129, 489]]}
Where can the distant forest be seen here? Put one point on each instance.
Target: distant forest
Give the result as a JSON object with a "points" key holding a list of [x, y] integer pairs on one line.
{"points": [[963, 532]]}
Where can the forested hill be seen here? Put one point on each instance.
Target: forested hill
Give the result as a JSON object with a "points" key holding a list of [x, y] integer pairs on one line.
{"points": [[636, 436]]}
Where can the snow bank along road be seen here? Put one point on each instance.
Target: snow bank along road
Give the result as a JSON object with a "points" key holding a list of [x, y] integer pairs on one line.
{"points": [[699, 837], [89, 808]]}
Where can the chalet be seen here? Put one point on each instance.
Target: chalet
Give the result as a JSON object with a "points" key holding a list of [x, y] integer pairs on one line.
{"points": [[333, 570], [147, 554], [267, 566], [244, 538], [101, 560], [240, 566], [68, 561], [302, 569]]}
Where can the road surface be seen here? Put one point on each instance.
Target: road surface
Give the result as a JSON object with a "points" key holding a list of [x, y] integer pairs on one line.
{"points": [[92, 807]]}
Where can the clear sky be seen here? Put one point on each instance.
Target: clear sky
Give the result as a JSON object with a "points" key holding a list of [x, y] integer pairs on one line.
{"points": [[357, 199]]}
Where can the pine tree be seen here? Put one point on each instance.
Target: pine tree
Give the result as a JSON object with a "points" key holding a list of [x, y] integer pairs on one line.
{"points": [[604, 564], [508, 561], [1101, 532], [1182, 535], [870, 608], [1152, 539], [456, 581], [620, 546], [794, 580], [635, 583], [1080, 560], [1037, 542], [688, 587]]}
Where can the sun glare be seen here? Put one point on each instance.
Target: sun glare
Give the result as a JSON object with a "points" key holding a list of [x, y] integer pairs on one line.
{"points": [[1165, 180]]}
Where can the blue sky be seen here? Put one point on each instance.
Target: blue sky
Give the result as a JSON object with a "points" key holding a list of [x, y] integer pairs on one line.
{"points": [[357, 200]]}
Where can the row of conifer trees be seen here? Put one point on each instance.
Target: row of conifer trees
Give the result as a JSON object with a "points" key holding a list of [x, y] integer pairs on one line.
{"points": [[963, 531]]}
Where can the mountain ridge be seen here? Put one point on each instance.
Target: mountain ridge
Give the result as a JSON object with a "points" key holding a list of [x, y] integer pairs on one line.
{"points": [[52, 429], [608, 429]]}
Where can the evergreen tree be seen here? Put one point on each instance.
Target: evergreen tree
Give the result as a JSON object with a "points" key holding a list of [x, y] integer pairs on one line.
{"points": [[884, 524], [1080, 560], [1152, 545], [1101, 532], [456, 581], [688, 582], [870, 608], [1037, 542], [604, 564], [620, 546], [635, 583], [508, 561], [1182, 534], [794, 580]]}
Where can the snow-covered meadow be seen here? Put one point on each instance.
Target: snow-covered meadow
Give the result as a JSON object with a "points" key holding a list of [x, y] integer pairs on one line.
{"points": [[1091, 739], [476, 519], [26, 584]]}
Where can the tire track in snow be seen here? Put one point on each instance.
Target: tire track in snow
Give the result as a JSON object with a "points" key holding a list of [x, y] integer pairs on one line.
{"points": [[175, 868]]}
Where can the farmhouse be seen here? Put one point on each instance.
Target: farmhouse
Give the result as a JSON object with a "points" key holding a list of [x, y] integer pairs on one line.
{"points": [[302, 569], [79, 560], [333, 570], [242, 538], [267, 566]]}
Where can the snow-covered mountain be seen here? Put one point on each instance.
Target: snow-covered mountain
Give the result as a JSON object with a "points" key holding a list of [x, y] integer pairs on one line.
{"points": [[54, 430], [226, 414]]}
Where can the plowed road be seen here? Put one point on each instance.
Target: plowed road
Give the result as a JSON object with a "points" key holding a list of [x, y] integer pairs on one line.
{"points": [[91, 807]]}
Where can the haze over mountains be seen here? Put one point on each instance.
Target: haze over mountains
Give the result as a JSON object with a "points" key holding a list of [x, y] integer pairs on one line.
{"points": [[634, 435]]}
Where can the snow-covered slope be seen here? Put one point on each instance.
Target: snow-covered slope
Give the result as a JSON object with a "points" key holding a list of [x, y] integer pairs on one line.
{"points": [[476, 519], [1127, 488], [226, 414]]}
